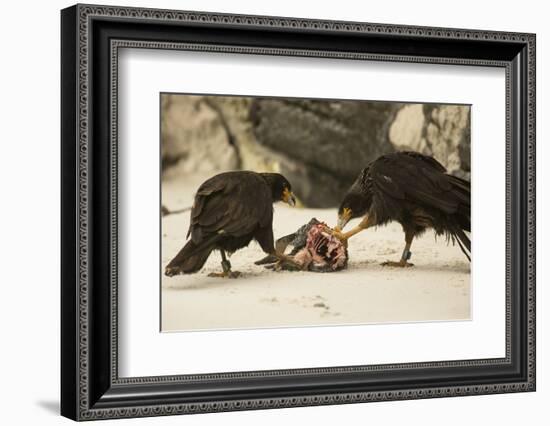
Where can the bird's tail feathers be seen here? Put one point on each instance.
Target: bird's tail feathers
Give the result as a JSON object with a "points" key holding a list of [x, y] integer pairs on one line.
{"points": [[191, 258], [460, 188], [461, 192], [463, 218], [463, 241]]}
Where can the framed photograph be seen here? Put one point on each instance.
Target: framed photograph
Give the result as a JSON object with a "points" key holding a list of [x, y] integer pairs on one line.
{"points": [[263, 212]]}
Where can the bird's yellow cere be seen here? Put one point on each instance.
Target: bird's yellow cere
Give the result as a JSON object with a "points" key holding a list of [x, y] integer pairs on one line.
{"points": [[288, 197]]}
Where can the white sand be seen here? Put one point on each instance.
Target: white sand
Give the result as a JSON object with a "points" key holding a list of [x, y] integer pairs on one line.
{"points": [[436, 288]]}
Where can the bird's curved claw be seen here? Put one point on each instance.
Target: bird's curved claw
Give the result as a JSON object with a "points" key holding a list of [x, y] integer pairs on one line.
{"points": [[285, 263], [400, 264], [340, 235], [226, 274], [171, 271]]}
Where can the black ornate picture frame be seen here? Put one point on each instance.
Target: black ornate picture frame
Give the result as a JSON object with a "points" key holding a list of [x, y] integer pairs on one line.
{"points": [[91, 387]]}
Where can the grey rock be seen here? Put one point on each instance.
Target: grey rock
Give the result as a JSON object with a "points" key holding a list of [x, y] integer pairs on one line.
{"points": [[324, 133], [442, 131], [193, 137], [320, 146]]}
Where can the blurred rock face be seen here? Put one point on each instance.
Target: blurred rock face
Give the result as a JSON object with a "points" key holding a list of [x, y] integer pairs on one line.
{"points": [[193, 137], [328, 142], [442, 131], [320, 146]]}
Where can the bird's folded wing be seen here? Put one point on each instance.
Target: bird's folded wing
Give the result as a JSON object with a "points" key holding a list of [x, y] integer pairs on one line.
{"points": [[416, 178], [233, 207]]}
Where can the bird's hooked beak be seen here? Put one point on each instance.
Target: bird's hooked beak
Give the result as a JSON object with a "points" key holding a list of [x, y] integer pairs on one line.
{"points": [[288, 197], [343, 219]]}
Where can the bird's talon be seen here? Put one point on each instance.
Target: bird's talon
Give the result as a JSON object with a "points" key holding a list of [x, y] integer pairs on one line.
{"points": [[226, 274], [341, 236], [286, 263], [171, 271], [400, 264]]}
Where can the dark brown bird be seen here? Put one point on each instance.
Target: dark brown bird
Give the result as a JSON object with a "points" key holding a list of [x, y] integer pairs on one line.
{"points": [[230, 210], [414, 190]]}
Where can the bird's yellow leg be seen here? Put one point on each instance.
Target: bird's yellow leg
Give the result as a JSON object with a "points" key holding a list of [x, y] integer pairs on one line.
{"points": [[345, 236], [403, 262], [227, 272]]}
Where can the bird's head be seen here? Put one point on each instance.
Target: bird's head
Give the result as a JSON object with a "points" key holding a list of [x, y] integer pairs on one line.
{"points": [[352, 206], [281, 189]]}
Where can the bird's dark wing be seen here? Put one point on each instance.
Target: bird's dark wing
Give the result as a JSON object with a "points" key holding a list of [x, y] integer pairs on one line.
{"points": [[417, 178], [428, 161], [234, 203]]}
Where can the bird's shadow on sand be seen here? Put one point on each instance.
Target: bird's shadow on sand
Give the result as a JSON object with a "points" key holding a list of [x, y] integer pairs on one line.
{"points": [[375, 265], [455, 267], [420, 268], [205, 282]]}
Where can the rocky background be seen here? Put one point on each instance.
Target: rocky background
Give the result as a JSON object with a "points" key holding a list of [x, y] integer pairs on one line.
{"points": [[320, 146]]}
